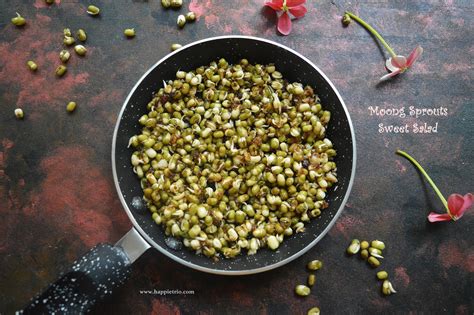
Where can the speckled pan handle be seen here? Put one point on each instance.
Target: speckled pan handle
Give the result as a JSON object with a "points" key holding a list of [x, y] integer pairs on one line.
{"points": [[91, 278]]}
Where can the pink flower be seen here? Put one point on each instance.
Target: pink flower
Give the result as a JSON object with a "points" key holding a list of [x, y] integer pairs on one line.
{"points": [[457, 205], [295, 7], [399, 64]]}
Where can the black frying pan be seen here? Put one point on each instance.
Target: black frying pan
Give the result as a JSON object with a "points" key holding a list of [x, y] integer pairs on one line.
{"points": [[105, 267]]}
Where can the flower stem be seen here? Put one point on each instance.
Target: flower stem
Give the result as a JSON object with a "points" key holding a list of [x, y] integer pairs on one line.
{"points": [[428, 178], [373, 31]]}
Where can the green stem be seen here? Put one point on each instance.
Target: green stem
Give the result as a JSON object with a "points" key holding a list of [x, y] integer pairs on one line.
{"points": [[428, 178], [373, 31]]}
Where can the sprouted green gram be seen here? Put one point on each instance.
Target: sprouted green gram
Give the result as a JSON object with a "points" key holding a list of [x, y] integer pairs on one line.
{"points": [[176, 3], [64, 55], [32, 65], [181, 21], [129, 32], [175, 47], [81, 35], [61, 70], [314, 265], [19, 113], [302, 290], [71, 106], [80, 50], [190, 16], [382, 275], [234, 158], [93, 10], [18, 20]]}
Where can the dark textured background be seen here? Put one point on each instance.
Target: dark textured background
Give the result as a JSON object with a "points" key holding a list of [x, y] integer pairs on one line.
{"points": [[57, 197]]}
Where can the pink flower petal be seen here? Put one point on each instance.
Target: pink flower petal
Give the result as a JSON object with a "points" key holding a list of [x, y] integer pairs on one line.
{"points": [[294, 3], [458, 204], [298, 11], [436, 217], [389, 66], [389, 75], [284, 23], [455, 203], [276, 5], [399, 61], [414, 55]]}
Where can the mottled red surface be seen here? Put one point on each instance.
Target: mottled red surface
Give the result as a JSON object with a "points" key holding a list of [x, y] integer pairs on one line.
{"points": [[456, 254], [402, 277], [85, 211], [57, 196]]}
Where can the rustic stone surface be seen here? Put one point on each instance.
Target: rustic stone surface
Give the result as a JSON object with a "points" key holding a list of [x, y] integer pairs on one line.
{"points": [[57, 197]]}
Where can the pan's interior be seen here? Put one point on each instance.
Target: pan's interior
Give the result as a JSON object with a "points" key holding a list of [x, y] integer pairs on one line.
{"points": [[293, 68]]}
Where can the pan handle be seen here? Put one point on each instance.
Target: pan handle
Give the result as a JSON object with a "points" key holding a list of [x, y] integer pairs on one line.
{"points": [[91, 278]]}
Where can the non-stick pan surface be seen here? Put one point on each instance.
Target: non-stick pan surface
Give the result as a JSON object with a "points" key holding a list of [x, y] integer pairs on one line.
{"points": [[294, 67]]}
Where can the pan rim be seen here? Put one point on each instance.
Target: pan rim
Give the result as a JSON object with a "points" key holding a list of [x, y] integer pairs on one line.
{"points": [[167, 253]]}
